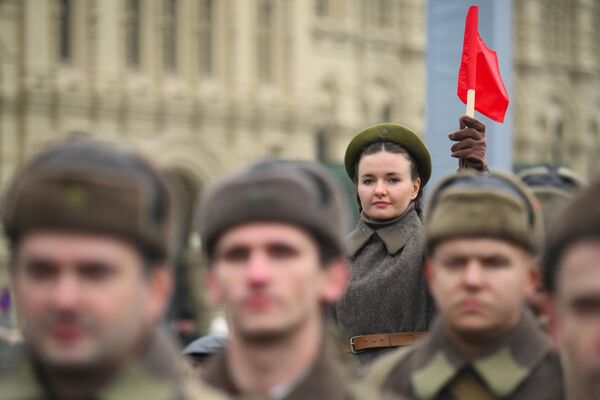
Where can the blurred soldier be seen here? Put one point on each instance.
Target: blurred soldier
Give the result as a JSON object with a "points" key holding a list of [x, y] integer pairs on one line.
{"points": [[273, 237], [553, 187], [482, 233], [572, 276], [90, 229], [201, 351]]}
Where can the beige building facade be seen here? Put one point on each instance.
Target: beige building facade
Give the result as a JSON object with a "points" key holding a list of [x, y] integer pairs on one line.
{"points": [[556, 83], [207, 86]]}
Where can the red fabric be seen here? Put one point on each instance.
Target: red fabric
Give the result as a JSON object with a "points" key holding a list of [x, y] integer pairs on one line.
{"points": [[479, 70]]}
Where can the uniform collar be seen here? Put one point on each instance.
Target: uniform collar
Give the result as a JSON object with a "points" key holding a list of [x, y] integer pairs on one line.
{"points": [[324, 379], [516, 355], [152, 376], [392, 234]]}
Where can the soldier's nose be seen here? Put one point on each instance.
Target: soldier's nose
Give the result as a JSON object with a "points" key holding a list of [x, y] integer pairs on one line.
{"points": [[258, 268], [473, 274], [67, 293]]}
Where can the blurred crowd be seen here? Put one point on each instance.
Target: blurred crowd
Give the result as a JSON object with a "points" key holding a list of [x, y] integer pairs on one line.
{"points": [[488, 290]]}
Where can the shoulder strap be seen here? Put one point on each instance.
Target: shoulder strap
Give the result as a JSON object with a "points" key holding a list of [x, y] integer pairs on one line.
{"points": [[382, 368], [466, 387]]}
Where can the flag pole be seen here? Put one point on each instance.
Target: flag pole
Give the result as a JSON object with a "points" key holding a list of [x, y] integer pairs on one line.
{"points": [[471, 103]]}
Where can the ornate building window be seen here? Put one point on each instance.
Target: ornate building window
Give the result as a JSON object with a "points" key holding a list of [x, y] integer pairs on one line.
{"points": [[322, 146], [65, 31], [386, 113], [322, 8], [133, 32], [264, 43], [169, 25], [558, 143], [384, 13], [205, 29]]}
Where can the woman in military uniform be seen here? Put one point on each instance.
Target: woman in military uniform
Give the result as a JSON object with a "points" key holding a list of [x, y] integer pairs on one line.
{"points": [[387, 303]]}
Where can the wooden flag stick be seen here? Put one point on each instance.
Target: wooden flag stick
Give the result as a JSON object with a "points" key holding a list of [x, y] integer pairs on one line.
{"points": [[471, 103]]}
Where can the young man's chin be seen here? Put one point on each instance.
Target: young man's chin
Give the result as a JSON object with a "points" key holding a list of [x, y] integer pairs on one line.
{"points": [[473, 327], [71, 358], [265, 333]]}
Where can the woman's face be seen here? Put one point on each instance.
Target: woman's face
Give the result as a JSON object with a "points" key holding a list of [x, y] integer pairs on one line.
{"points": [[385, 186]]}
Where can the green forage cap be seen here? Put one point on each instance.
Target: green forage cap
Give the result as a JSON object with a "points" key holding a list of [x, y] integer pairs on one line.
{"points": [[389, 133]]}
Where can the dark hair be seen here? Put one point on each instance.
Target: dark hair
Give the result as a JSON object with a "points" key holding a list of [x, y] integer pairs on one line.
{"points": [[393, 148]]}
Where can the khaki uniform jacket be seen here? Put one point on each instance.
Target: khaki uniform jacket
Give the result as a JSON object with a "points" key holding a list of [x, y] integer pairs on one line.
{"points": [[387, 291], [326, 380], [159, 374], [521, 366]]}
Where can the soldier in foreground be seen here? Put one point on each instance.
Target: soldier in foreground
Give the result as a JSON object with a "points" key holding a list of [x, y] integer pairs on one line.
{"points": [[572, 276], [273, 237], [90, 228], [482, 232]]}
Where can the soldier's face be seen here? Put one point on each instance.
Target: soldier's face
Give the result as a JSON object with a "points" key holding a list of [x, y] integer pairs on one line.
{"points": [[270, 280], [84, 300], [385, 186], [480, 285], [577, 306]]}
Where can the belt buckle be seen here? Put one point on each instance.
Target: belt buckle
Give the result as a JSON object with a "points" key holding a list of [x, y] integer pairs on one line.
{"points": [[352, 350]]}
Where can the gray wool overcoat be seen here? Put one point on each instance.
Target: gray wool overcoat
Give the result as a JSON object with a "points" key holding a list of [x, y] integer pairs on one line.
{"points": [[387, 291]]}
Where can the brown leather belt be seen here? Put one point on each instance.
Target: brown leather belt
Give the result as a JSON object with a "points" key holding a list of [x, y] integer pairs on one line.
{"points": [[363, 342]]}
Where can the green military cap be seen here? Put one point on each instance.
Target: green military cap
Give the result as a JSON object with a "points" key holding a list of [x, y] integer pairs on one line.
{"points": [[399, 134], [474, 204]]}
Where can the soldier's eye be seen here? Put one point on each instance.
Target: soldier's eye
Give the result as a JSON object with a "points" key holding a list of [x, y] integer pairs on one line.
{"points": [[454, 262], [496, 262], [96, 271], [235, 254], [282, 250], [586, 306], [40, 269]]}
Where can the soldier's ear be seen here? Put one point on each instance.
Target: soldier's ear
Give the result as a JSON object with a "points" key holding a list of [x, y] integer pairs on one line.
{"points": [[161, 287], [212, 292], [429, 273], [336, 278], [551, 308], [533, 278]]}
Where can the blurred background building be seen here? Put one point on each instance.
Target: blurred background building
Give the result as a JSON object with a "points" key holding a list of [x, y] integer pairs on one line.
{"points": [[207, 86]]}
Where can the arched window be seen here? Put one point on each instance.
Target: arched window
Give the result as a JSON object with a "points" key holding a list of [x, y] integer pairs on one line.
{"points": [[322, 8], [170, 35], [264, 43], [65, 31], [386, 113], [206, 19], [558, 142], [133, 32]]}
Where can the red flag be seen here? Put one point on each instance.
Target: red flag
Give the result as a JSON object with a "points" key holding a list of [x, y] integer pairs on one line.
{"points": [[479, 70]]}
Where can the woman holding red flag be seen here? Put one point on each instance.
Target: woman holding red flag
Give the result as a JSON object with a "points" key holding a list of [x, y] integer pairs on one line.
{"points": [[387, 304]]}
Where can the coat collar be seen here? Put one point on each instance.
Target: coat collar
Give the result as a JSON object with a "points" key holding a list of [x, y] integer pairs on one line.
{"points": [[391, 232], [153, 376], [516, 356], [325, 379]]}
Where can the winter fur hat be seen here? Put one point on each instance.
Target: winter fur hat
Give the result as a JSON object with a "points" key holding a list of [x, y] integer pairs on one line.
{"points": [[91, 186], [473, 204], [299, 193]]}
